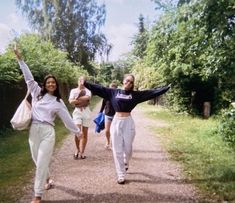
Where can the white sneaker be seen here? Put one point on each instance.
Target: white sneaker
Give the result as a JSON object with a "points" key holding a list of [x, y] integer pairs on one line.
{"points": [[121, 181], [49, 185]]}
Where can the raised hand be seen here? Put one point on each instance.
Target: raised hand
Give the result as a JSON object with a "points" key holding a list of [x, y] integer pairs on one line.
{"points": [[17, 53]]}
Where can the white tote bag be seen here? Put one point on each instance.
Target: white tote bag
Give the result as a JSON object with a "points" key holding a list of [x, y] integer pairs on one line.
{"points": [[22, 117]]}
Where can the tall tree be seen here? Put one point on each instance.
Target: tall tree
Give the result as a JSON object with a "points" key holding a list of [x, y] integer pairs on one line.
{"points": [[140, 40], [73, 26], [165, 5], [194, 49]]}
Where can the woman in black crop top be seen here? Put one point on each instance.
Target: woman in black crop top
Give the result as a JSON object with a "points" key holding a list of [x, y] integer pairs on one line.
{"points": [[123, 127]]}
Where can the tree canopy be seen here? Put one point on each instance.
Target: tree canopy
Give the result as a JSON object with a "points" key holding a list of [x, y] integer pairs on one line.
{"points": [[193, 47], [42, 57], [73, 26]]}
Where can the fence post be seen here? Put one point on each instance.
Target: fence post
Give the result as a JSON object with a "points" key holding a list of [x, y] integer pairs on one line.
{"points": [[206, 109]]}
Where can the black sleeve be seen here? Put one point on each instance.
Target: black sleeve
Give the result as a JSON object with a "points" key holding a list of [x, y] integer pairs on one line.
{"points": [[102, 106], [150, 94], [99, 90]]}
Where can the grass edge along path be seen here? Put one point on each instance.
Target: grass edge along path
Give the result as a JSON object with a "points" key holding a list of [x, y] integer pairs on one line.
{"points": [[16, 165], [207, 161]]}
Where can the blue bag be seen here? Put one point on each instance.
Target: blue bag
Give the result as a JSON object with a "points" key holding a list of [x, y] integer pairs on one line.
{"points": [[99, 121]]}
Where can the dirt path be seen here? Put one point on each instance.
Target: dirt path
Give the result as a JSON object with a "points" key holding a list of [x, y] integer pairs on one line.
{"points": [[151, 176]]}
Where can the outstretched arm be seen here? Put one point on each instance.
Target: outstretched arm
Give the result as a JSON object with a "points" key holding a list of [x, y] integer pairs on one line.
{"points": [[99, 90], [152, 93], [29, 79], [65, 116]]}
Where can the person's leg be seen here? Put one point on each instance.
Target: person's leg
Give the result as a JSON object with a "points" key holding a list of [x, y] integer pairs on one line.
{"points": [[129, 131], [118, 148], [77, 118], [83, 142], [34, 142], [86, 118], [45, 150], [77, 143], [107, 132]]}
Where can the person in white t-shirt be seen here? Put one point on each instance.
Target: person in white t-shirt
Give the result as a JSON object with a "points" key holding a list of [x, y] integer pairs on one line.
{"points": [[80, 98], [46, 105]]}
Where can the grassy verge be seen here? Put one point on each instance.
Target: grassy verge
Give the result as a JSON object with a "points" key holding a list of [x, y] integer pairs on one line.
{"points": [[16, 166], [207, 161]]}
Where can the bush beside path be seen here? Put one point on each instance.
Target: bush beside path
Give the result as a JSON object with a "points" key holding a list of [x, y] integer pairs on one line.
{"points": [[151, 177]]}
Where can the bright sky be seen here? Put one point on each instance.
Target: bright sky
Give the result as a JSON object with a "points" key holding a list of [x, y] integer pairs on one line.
{"points": [[120, 27]]}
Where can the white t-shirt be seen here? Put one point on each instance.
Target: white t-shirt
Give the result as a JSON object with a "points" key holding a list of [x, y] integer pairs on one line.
{"points": [[76, 91]]}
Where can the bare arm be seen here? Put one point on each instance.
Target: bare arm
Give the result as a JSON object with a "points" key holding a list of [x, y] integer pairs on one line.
{"points": [[81, 101]]}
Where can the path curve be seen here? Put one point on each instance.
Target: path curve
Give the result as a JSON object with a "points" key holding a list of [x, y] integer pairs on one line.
{"points": [[151, 177]]}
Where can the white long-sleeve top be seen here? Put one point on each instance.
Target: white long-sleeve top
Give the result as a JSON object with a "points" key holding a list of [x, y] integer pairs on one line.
{"points": [[45, 109]]}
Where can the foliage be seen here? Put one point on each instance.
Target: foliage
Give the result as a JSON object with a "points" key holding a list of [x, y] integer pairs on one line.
{"points": [[43, 58], [193, 47], [104, 75], [122, 67], [226, 128], [72, 26], [142, 76], [140, 40], [165, 5], [9, 74]]}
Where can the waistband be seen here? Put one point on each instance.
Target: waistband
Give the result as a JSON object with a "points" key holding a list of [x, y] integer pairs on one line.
{"points": [[122, 118], [41, 122]]}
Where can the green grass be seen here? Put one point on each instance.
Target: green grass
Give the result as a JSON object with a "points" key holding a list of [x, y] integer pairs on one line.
{"points": [[208, 162], [16, 166]]}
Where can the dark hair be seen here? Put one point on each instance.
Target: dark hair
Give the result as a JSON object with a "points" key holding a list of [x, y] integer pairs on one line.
{"points": [[56, 93]]}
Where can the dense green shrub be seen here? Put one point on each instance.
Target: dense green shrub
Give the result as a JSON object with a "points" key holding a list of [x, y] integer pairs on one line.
{"points": [[227, 126]]}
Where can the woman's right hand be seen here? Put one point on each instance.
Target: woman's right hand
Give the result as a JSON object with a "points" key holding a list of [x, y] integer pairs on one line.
{"points": [[17, 53]]}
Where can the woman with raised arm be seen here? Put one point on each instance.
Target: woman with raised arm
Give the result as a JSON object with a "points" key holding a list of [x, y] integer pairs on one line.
{"points": [[46, 105], [122, 128]]}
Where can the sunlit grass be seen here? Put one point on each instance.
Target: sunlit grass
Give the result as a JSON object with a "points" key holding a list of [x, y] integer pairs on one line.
{"points": [[207, 160]]}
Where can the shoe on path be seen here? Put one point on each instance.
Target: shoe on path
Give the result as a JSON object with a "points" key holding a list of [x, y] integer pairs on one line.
{"points": [[121, 181], [49, 185], [75, 156], [81, 156]]}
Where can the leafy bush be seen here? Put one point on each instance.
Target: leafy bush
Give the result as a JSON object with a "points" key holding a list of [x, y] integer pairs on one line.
{"points": [[227, 126]]}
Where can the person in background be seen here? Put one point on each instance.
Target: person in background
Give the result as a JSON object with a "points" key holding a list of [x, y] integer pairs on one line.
{"points": [[123, 128], [109, 114], [80, 98], [46, 105]]}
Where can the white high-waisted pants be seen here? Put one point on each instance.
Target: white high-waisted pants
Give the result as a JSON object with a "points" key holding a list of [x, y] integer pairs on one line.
{"points": [[122, 136], [41, 142]]}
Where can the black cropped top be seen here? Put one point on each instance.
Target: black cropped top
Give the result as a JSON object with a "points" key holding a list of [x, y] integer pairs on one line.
{"points": [[122, 100]]}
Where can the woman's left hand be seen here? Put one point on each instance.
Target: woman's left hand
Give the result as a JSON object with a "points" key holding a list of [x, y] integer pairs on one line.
{"points": [[17, 53]]}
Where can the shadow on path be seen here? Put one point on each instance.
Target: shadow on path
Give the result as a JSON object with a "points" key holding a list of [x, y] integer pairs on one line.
{"points": [[149, 197]]}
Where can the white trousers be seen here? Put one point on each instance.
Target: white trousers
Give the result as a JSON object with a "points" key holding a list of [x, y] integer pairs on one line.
{"points": [[122, 136], [41, 142]]}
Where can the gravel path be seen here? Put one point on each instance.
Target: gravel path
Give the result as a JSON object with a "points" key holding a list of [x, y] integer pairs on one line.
{"points": [[151, 176]]}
